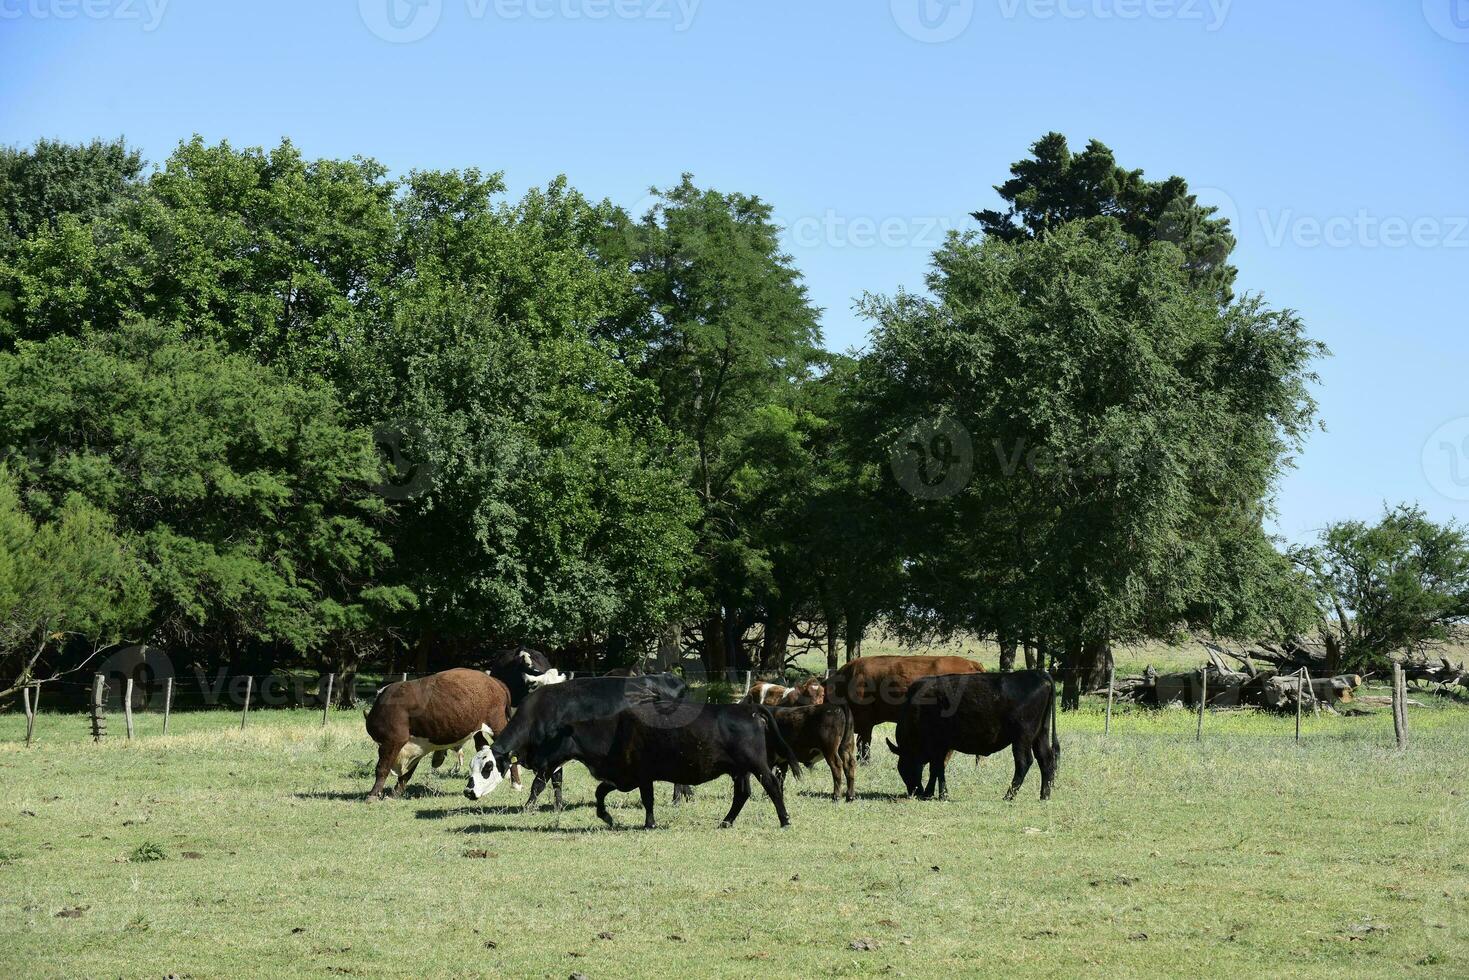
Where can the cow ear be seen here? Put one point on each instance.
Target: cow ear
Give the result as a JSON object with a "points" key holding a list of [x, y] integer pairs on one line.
{"points": [[893, 748]]}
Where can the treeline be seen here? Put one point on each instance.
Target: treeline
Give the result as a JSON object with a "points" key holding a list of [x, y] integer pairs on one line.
{"points": [[267, 412]]}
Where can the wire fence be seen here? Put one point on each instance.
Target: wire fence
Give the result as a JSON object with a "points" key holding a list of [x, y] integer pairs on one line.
{"points": [[105, 697]]}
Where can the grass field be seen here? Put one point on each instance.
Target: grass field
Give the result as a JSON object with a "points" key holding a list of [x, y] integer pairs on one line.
{"points": [[1243, 855]]}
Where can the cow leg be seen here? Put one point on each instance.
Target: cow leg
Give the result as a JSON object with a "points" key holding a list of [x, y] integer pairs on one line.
{"points": [[682, 792], [556, 778], [602, 790], [537, 787], [403, 778], [834, 763], [864, 741], [777, 795], [438, 759], [515, 782], [741, 794], [1046, 756], [458, 760], [387, 755], [646, 791], [1023, 758], [849, 767]]}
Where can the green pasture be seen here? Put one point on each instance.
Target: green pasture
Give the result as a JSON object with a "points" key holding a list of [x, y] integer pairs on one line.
{"points": [[220, 853]]}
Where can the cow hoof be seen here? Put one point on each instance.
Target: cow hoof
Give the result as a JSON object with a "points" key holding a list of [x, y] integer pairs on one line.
{"points": [[786, 825], [517, 786], [725, 825]]}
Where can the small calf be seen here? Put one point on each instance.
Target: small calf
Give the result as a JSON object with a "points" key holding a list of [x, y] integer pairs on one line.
{"points": [[821, 731], [809, 691]]}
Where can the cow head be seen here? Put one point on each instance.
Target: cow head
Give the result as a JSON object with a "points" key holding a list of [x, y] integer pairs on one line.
{"points": [[486, 772], [910, 768], [537, 670], [522, 670], [809, 691]]}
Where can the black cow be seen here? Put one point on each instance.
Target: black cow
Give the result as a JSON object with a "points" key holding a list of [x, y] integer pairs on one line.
{"points": [[522, 670], [543, 720], [651, 741], [978, 714]]}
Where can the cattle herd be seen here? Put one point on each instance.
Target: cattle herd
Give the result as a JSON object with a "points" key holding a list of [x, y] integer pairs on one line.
{"points": [[634, 731]]}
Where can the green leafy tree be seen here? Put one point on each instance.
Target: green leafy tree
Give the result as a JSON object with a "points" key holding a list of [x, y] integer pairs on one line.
{"points": [[1055, 186], [242, 493], [68, 577], [722, 325], [557, 511], [1388, 588], [40, 184], [1118, 436]]}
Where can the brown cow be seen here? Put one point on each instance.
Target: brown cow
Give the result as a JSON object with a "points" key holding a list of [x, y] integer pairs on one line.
{"points": [[821, 731], [874, 688], [434, 714], [809, 691]]}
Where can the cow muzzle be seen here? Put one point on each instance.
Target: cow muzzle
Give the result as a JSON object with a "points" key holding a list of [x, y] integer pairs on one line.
{"points": [[484, 775]]}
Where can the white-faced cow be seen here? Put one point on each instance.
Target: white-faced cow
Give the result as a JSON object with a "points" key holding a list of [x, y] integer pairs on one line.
{"points": [[809, 691], [438, 714], [977, 714]]}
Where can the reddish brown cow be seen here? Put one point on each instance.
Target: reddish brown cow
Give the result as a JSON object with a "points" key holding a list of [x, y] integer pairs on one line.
{"points": [[874, 688], [433, 715], [809, 691]]}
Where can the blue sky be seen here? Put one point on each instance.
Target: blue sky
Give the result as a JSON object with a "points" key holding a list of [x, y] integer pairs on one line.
{"points": [[1333, 132]]}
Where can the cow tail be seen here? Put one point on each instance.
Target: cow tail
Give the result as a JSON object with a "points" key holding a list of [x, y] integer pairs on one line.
{"points": [[780, 742], [1055, 738]]}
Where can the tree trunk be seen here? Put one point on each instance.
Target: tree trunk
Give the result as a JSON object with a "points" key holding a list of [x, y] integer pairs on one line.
{"points": [[1033, 660], [855, 632], [714, 659], [670, 648], [1008, 647], [773, 644], [831, 645]]}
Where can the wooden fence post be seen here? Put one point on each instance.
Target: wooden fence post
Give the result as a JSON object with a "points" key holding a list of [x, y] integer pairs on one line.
{"points": [[99, 708], [1399, 706], [1203, 699], [749, 679], [127, 706], [1111, 681], [249, 686], [1315, 701], [30, 711], [1300, 696], [405, 677], [326, 702], [167, 702]]}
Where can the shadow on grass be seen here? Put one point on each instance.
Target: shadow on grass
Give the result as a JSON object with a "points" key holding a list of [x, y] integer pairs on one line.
{"points": [[350, 796], [506, 828], [441, 813]]}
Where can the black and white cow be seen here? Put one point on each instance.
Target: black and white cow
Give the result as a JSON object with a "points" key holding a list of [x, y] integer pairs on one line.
{"points": [[543, 716], [977, 714], [647, 740]]}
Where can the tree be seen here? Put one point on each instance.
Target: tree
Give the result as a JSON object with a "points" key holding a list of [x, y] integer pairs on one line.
{"points": [[1118, 436], [242, 495], [722, 325], [1055, 186], [557, 512], [70, 576], [1391, 587], [40, 184]]}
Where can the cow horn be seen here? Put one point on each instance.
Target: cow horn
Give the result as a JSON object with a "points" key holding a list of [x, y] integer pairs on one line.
{"points": [[893, 748]]}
